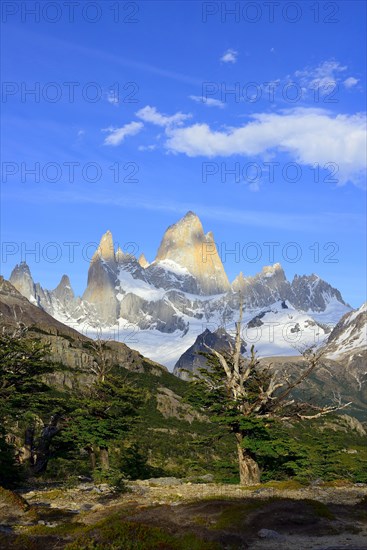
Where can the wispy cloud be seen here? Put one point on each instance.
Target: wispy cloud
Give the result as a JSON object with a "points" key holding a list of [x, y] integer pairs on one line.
{"points": [[350, 82], [117, 135], [103, 55], [303, 223], [229, 56], [321, 77], [152, 115], [208, 101]]}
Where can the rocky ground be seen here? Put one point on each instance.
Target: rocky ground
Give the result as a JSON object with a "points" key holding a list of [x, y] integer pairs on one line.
{"points": [[208, 516]]}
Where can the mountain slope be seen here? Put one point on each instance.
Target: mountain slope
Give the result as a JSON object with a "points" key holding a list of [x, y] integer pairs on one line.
{"points": [[165, 440], [350, 334], [193, 360], [67, 345], [347, 344]]}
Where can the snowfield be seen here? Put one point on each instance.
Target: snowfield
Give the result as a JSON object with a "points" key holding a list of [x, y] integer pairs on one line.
{"points": [[284, 332]]}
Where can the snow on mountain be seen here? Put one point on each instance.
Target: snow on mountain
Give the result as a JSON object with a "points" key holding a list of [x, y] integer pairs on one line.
{"points": [[162, 307], [347, 345], [349, 335]]}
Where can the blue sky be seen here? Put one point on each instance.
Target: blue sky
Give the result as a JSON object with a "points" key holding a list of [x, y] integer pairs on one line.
{"points": [[255, 121]]}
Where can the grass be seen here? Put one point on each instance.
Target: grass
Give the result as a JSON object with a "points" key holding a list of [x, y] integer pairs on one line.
{"points": [[337, 483], [135, 536], [235, 515], [319, 508], [54, 494], [286, 485], [60, 530], [12, 499]]}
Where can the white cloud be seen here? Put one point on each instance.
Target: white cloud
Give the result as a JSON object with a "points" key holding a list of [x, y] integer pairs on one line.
{"points": [[309, 136], [230, 56], [112, 98], [150, 114], [117, 135], [272, 50], [350, 82], [209, 101], [322, 77]]}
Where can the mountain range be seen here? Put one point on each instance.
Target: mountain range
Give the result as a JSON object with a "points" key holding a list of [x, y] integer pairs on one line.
{"points": [[160, 308], [342, 370]]}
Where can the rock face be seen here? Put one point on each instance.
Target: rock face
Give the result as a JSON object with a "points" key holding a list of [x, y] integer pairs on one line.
{"points": [[171, 405], [312, 293], [143, 261], [265, 288], [21, 279], [186, 245], [15, 308], [181, 293], [192, 360], [64, 293], [306, 292], [60, 302], [102, 280]]}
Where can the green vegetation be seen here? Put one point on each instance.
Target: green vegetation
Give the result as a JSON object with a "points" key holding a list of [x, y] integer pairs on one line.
{"points": [[258, 407], [317, 450], [135, 536], [116, 429]]}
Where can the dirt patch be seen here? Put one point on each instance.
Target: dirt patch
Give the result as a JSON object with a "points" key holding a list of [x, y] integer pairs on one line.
{"points": [[267, 517], [12, 507]]}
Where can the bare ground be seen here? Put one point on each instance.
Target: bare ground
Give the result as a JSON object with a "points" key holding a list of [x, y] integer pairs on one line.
{"points": [[279, 516]]}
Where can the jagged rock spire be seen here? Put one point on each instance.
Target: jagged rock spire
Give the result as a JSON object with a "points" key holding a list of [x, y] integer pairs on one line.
{"points": [[64, 291], [186, 244], [22, 280], [143, 261], [105, 250], [100, 289], [119, 256]]}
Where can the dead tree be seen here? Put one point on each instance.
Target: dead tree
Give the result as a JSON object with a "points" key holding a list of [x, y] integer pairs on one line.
{"points": [[102, 364], [256, 392]]}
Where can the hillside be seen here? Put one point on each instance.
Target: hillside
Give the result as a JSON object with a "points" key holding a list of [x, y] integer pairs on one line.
{"points": [[169, 430]]}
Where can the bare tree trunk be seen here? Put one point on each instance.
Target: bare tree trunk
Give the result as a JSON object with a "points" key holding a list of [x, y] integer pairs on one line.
{"points": [[42, 450], [249, 468], [103, 455], [92, 457], [27, 451]]}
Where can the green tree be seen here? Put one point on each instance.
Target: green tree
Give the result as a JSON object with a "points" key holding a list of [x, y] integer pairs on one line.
{"points": [[9, 469], [26, 400], [102, 416], [249, 399], [23, 362]]}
